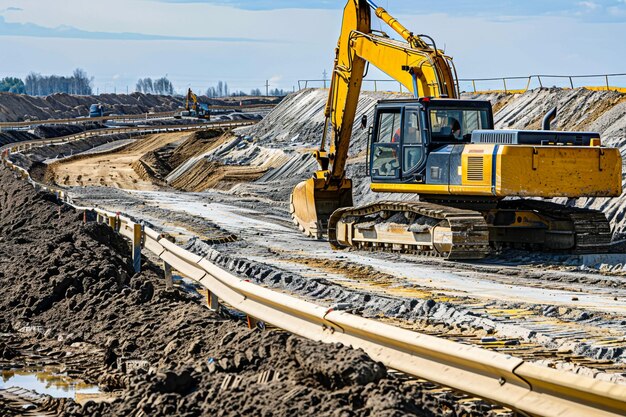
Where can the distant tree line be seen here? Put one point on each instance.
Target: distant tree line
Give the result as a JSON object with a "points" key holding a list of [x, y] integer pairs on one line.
{"points": [[274, 92], [12, 85], [162, 86], [79, 83], [43, 85], [221, 90]]}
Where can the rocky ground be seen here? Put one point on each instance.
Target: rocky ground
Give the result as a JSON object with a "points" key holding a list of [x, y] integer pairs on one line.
{"points": [[72, 299]]}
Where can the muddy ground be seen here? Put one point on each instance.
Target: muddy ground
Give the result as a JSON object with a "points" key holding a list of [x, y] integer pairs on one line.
{"points": [[71, 298]]}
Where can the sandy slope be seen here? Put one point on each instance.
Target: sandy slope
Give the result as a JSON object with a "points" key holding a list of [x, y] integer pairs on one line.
{"points": [[113, 169]]}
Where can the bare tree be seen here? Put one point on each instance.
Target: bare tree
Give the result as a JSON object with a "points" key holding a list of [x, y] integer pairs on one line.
{"points": [[39, 85]]}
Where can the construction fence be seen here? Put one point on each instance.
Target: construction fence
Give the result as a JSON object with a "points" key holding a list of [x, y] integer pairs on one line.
{"points": [[510, 85]]}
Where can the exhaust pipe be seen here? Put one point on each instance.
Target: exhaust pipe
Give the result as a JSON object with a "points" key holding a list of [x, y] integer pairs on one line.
{"points": [[548, 118]]}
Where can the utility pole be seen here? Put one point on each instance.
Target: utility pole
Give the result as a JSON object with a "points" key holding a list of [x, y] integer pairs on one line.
{"points": [[267, 88]]}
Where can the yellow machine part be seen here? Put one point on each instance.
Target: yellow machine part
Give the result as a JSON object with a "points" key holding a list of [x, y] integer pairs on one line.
{"points": [[312, 203], [527, 171], [558, 171]]}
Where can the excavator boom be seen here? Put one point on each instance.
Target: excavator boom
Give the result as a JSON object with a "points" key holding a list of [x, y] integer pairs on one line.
{"points": [[421, 68]]}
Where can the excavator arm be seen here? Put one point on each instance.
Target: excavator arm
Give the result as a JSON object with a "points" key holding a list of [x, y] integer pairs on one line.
{"points": [[421, 68], [191, 97]]}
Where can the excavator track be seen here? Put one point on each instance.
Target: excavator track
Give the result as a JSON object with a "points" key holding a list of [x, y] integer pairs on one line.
{"points": [[590, 229], [448, 232]]}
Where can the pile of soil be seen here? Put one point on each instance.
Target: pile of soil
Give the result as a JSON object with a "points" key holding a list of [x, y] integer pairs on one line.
{"points": [[156, 165], [58, 130], [21, 107], [14, 136], [45, 132], [74, 283]]}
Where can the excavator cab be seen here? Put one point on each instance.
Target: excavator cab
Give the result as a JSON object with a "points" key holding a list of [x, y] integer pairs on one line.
{"points": [[406, 132]]}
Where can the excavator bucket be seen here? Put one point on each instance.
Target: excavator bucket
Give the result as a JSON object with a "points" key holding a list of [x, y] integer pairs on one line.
{"points": [[312, 203]]}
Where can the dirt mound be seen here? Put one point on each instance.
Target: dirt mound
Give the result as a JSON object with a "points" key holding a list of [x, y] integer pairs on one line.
{"points": [[114, 168], [198, 143], [27, 158], [157, 164], [20, 107], [14, 136], [58, 130], [81, 296], [211, 174]]}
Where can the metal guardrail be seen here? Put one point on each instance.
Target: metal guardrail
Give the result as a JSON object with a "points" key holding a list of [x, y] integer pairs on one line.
{"points": [[79, 120], [19, 146], [525, 387], [541, 82]]}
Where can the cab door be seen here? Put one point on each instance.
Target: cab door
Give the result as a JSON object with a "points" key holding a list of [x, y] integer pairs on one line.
{"points": [[385, 151], [413, 145]]}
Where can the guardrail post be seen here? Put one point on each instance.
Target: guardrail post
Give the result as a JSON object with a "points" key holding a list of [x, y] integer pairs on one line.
{"points": [[137, 235], [504, 81], [212, 301], [474, 85], [571, 83], [400, 87], [167, 271], [540, 83], [252, 322], [375, 87], [606, 77]]}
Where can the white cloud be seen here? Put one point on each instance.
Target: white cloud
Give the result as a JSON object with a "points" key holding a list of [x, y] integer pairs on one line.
{"points": [[589, 5]]}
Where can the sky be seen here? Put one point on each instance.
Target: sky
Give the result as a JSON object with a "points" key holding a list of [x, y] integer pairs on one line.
{"points": [[247, 43]]}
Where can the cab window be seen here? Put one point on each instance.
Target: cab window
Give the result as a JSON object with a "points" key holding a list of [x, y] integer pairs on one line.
{"points": [[389, 127], [412, 152], [448, 125], [386, 148]]}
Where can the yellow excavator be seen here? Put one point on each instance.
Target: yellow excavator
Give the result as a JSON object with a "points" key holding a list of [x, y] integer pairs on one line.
{"points": [[479, 188], [193, 108]]}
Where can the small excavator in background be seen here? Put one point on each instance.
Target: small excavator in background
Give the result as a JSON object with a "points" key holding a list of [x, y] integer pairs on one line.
{"points": [[193, 108], [478, 187]]}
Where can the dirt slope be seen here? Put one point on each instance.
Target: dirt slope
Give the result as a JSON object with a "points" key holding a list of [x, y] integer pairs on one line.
{"points": [[112, 169], [19, 107]]}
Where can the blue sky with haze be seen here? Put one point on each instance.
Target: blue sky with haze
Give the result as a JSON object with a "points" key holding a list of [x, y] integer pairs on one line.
{"points": [[196, 43]]}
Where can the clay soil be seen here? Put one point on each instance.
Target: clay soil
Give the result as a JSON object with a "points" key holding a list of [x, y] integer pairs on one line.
{"points": [[69, 292]]}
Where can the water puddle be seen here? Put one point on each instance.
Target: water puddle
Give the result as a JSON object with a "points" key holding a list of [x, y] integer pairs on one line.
{"points": [[49, 381]]}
